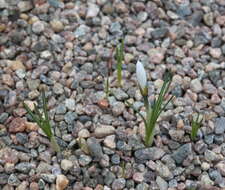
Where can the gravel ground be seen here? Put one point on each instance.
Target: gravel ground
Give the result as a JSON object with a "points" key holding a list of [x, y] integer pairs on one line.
{"points": [[64, 47]]}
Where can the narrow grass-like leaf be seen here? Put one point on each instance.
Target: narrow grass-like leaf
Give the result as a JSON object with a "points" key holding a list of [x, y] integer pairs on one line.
{"points": [[44, 101], [107, 91], [119, 60], [195, 125]]}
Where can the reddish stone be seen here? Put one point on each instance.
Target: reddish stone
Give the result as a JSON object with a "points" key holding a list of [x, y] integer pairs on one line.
{"points": [[17, 125], [34, 186], [9, 155], [31, 126], [103, 103]]}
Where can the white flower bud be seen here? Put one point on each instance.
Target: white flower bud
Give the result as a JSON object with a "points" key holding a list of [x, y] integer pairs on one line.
{"points": [[141, 75]]}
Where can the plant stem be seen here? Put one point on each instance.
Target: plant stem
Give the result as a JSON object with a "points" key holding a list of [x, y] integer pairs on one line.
{"points": [[149, 137], [54, 144], [107, 87], [119, 75], [146, 103]]}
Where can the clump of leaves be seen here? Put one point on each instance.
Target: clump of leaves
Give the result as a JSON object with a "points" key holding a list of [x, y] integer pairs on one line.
{"points": [[152, 111], [42, 119], [196, 123], [119, 60]]}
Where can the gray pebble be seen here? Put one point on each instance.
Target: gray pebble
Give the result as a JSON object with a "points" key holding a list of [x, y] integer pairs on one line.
{"points": [[46, 80], [13, 180], [149, 154], [223, 149], [220, 125], [211, 156], [22, 138], [209, 139], [223, 49], [115, 159], [95, 148], [200, 147], [119, 184], [115, 28], [70, 117], [3, 178], [217, 178], [41, 184], [120, 94], [3, 117], [219, 139], [109, 178], [61, 109], [38, 27], [163, 171], [121, 145], [159, 33], [184, 10], [84, 160], [10, 99], [24, 167], [181, 154], [118, 108], [81, 31], [50, 178], [201, 38], [142, 186], [163, 185], [196, 18]]}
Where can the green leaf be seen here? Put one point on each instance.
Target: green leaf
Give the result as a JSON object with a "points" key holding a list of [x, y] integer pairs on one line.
{"points": [[119, 59], [195, 125], [157, 108]]}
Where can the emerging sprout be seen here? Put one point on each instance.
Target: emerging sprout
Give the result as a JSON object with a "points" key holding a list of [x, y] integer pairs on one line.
{"points": [[119, 60], [43, 122], [195, 125]]}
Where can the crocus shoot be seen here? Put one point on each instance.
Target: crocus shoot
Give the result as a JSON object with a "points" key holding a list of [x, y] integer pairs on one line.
{"points": [[152, 111], [195, 125], [119, 60], [42, 119]]}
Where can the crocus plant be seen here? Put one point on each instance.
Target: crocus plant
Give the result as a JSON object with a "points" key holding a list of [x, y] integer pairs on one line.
{"points": [[195, 125], [152, 111], [42, 119]]}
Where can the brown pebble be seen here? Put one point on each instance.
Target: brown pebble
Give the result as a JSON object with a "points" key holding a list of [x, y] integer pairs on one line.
{"points": [[180, 124], [34, 186], [17, 125], [7, 79], [61, 182], [31, 126], [9, 155], [103, 103]]}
